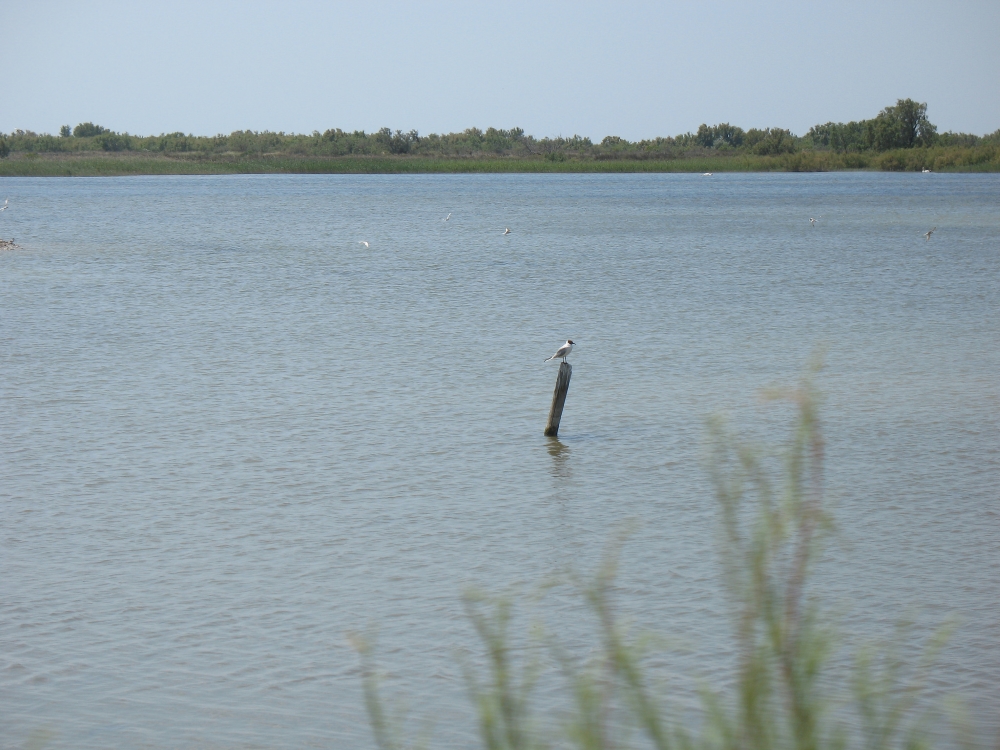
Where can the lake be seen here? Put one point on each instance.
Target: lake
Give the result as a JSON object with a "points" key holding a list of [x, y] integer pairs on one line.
{"points": [[232, 434]]}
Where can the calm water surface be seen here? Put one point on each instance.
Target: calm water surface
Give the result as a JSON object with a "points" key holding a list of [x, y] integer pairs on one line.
{"points": [[231, 434]]}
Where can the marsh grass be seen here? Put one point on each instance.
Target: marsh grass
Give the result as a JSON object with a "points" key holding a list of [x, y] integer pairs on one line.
{"points": [[773, 524], [387, 722], [104, 164]]}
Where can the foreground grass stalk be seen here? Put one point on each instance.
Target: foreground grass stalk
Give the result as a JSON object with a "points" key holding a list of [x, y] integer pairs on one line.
{"points": [[622, 656], [592, 698], [382, 729], [766, 570], [387, 725], [771, 534], [887, 694], [503, 707]]}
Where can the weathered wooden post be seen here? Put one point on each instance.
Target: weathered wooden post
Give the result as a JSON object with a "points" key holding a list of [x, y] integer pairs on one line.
{"points": [[558, 399]]}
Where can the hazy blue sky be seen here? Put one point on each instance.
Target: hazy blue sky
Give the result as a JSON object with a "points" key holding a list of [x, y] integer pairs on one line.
{"points": [[633, 69]]}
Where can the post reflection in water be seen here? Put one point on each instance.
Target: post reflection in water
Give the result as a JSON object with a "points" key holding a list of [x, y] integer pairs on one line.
{"points": [[560, 453]]}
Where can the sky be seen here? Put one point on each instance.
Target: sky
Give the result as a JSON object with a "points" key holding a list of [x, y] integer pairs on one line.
{"points": [[632, 69]]}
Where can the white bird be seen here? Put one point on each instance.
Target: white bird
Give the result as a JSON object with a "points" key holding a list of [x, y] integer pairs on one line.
{"points": [[4, 207], [563, 351], [812, 221], [707, 174], [925, 171], [362, 242], [446, 217], [506, 230], [927, 236]]}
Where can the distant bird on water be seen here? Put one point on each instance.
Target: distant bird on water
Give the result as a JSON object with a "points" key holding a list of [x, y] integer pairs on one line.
{"points": [[506, 230], [927, 236], [812, 221], [707, 174], [362, 242], [446, 217], [925, 171], [4, 207], [563, 351]]}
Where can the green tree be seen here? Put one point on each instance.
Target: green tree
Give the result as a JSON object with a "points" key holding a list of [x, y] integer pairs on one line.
{"points": [[65, 131], [903, 125], [88, 129], [910, 124], [398, 142], [115, 142], [841, 137], [717, 135], [4, 148], [770, 141]]}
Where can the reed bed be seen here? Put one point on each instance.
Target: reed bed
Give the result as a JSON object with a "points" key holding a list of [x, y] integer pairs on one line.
{"points": [[103, 164]]}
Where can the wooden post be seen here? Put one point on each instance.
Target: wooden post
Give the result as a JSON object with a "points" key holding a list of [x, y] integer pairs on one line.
{"points": [[558, 399]]}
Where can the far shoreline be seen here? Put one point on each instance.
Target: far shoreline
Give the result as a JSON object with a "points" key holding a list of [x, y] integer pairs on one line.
{"points": [[102, 164]]}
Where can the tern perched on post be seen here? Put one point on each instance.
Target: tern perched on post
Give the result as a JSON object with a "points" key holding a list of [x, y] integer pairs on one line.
{"points": [[927, 236], [563, 351]]}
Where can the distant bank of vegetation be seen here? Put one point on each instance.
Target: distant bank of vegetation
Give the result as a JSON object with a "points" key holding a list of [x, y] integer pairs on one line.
{"points": [[899, 138]]}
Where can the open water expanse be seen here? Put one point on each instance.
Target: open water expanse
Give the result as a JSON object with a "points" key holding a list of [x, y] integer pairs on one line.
{"points": [[230, 434]]}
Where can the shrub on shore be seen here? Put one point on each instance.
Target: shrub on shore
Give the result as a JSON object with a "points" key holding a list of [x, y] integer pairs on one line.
{"points": [[903, 126]]}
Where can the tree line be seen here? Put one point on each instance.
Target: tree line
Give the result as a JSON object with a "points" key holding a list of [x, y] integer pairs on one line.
{"points": [[901, 126]]}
